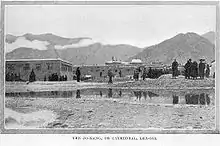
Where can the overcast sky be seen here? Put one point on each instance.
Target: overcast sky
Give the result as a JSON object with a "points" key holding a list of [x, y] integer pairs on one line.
{"points": [[138, 25]]}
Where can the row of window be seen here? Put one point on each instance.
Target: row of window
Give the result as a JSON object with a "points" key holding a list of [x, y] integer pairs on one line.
{"points": [[38, 67], [66, 68]]}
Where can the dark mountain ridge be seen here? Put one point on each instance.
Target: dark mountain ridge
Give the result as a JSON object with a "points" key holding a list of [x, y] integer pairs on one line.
{"points": [[180, 47]]}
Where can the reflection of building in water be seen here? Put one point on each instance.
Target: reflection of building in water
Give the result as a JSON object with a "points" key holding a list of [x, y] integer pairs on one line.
{"points": [[202, 99], [78, 94], [41, 67]]}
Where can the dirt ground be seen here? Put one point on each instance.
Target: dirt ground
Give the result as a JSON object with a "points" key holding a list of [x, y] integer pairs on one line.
{"points": [[93, 112], [109, 113]]}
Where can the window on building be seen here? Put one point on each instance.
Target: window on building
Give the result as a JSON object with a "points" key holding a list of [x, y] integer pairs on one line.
{"points": [[64, 67], [26, 66], [70, 69], [38, 66]]}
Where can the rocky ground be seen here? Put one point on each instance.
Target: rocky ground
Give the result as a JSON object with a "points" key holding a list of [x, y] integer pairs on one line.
{"points": [[106, 113]]}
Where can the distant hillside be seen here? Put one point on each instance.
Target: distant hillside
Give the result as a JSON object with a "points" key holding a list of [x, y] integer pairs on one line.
{"points": [[210, 36], [90, 54], [180, 47], [29, 53]]}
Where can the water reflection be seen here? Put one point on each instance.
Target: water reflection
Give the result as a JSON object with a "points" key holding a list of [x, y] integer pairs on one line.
{"points": [[109, 92], [195, 99], [151, 94], [78, 94], [124, 94], [138, 94], [145, 95], [175, 99]]}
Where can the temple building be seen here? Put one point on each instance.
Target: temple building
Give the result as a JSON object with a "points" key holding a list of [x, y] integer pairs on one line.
{"points": [[43, 68]]}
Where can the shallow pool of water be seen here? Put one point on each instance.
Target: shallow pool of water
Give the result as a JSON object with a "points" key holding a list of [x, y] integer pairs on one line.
{"points": [[192, 97]]}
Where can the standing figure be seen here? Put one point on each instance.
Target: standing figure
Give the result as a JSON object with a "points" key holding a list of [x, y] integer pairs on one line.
{"points": [[150, 73], [144, 74], [207, 72], [32, 76], [175, 68], [78, 74], [194, 70], [120, 74], [136, 74], [188, 68], [110, 75], [201, 69], [100, 74]]}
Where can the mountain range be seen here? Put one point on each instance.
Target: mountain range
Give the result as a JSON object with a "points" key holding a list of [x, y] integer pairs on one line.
{"points": [[180, 47], [95, 53]]}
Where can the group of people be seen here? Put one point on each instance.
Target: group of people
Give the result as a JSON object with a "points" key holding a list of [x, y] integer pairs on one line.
{"points": [[12, 77], [192, 69], [55, 77]]}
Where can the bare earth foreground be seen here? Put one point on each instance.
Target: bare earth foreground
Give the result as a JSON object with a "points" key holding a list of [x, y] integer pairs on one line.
{"points": [[91, 111]]}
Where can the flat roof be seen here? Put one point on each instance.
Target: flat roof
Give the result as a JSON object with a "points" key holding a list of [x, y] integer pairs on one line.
{"points": [[47, 59]]}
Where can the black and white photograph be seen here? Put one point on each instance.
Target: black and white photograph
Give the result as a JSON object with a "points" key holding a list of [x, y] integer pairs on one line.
{"points": [[110, 67]]}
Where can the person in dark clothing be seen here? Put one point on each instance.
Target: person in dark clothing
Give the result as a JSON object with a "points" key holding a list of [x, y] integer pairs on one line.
{"points": [[136, 74], [78, 74], [32, 76], [194, 70], [201, 69], [207, 72], [110, 75], [144, 74], [100, 74], [175, 68], [187, 67], [56, 77], [120, 74], [150, 73], [45, 78]]}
